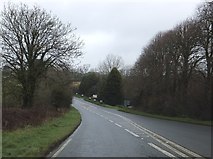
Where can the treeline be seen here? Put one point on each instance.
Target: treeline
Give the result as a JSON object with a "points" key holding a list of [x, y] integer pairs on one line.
{"points": [[107, 87], [173, 75]]}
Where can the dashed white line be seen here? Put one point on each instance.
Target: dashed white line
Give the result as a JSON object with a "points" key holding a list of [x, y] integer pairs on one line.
{"points": [[161, 150], [131, 133], [186, 151], [169, 144], [118, 125], [111, 121]]}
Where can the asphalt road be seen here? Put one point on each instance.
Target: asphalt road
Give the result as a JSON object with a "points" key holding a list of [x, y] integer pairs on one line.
{"points": [[106, 132]]}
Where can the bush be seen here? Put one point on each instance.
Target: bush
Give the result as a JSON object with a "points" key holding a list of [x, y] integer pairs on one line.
{"points": [[54, 90], [11, 90], [14, 118], [61, 97]]}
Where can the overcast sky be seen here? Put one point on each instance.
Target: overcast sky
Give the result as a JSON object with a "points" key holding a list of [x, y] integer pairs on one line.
{"points": [[119, 27]]}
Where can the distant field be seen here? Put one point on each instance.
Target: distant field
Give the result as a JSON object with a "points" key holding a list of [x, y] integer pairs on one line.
{"points": [[37, 141]]}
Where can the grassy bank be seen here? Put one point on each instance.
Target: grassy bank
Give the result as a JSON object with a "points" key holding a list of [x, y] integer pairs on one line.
{"points": [[37, 141], [179, 119], [133, 111]]}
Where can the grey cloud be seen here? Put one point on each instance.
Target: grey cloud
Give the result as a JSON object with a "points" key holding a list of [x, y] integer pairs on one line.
{"points": [[129, 24]]}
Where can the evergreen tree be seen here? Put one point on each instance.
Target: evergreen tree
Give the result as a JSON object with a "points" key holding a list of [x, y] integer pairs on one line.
{"points": [[88, 84], [113, 94]]}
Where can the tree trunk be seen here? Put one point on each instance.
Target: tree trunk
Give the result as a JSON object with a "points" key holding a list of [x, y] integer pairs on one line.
{"points": [[185, 81], [211, 94], [28, 93]]}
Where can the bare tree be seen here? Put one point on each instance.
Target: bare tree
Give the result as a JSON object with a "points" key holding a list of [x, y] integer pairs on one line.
{"points": [[165, 78], [32, 40], [163, 72], [109, 63], [187, 35], [83, 69], [205, 20]]}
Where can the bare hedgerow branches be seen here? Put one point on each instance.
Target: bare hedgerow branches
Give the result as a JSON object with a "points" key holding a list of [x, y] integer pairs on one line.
{"points": [[32, 40]]}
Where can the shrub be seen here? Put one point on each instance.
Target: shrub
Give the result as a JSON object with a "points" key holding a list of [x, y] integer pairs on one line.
{"points": [[61, 97]]}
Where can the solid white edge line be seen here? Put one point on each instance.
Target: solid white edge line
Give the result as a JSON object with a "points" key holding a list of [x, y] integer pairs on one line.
{"points": [[161, 150], [62, 147], [118, 125], [132, 133], [67, 142], [151, 133]]}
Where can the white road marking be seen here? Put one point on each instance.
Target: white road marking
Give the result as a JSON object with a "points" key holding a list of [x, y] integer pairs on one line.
{"points": [[62, 147], [118, 125], [111, 121], [173, 149], [131, 133], [66, 143], [155, 136], [161, 150], [141, 138], [162, 140]]}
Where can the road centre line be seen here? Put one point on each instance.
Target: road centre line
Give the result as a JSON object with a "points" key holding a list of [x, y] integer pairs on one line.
{"points": [[161, 150], [154, 136], [118, 125], [111, 121], [169, 144], [173, 149], [132, 133]]}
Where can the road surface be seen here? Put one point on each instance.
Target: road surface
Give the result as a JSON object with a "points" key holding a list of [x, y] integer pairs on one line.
{"points": [[106, 132]]}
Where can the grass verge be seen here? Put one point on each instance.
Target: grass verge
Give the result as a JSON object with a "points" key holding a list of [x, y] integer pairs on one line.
{"points": [[37, 141], [179, 119], [137, 112]]}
